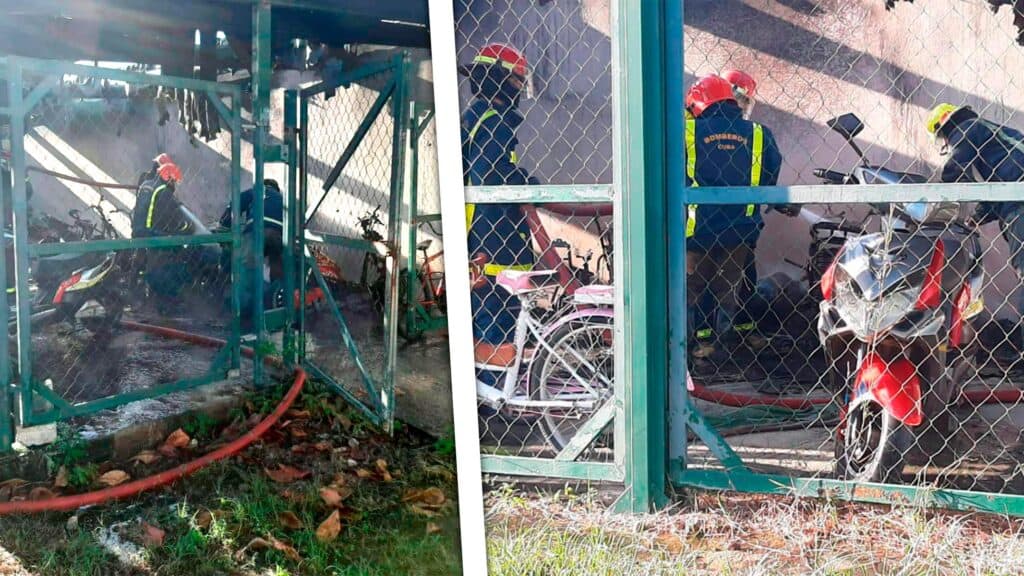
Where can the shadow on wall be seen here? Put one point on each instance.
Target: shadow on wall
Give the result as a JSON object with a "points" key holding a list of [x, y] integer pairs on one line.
{"points": [[883, 68], [850, 56], [566, 135]]}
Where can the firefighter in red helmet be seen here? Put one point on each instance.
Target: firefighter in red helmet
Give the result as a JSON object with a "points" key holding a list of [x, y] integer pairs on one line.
{"points": [[499, 234], [744, 89], [722, 149], [157, 212]]}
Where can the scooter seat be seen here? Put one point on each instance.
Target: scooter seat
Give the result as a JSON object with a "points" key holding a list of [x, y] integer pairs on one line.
{"points": [[494, 354], [55, 269]]}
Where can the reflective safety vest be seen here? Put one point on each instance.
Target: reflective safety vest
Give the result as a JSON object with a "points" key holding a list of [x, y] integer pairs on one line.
{"points": [[494, 268], [691, 169], [146, 216]]}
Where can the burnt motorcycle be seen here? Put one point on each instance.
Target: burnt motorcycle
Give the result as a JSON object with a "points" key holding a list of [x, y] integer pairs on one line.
{"points": [[895, 322], [96, 295]]}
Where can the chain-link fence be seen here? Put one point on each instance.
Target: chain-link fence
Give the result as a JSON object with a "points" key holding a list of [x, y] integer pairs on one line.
{"points": [[105, 242], [875, 334], [844, 310], [541, 257], [357, 169]]}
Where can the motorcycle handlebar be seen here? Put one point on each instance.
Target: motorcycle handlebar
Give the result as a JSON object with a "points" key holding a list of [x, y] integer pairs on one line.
{"points": [[831, 176]]}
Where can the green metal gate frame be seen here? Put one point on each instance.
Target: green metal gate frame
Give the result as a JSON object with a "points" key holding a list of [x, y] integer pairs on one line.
{"points": [[417, 320], [682, 413], [654, 413], [381, 393], [26, 394], [637, 194]]}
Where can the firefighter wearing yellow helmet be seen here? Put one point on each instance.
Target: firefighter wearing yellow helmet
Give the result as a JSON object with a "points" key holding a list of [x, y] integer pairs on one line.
{"points": [[983, 151]]}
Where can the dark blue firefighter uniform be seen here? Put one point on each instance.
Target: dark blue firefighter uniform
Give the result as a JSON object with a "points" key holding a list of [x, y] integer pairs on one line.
{"points": [[724, 149], [983, 151], [273, 246], [500, 231], [158, 213]]}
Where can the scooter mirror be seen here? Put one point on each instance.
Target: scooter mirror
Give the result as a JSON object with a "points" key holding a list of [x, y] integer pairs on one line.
{"points": [[849, 125]]}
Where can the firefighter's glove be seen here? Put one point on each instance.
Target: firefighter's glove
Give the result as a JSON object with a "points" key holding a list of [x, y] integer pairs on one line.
{"points": [[791, 210]]}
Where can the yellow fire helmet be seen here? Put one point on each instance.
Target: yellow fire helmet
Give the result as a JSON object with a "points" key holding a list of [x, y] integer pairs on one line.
{"points": [[939, 115]]}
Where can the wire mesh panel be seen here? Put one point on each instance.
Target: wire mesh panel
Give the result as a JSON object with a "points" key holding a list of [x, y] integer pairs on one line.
{"points": [[116, 223], [537, 111], [565, 136], [349, 169], [841, 331], [544, 333]]}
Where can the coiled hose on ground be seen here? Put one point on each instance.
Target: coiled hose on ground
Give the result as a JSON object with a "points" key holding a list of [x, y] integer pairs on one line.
{"points": [[75, 501]]}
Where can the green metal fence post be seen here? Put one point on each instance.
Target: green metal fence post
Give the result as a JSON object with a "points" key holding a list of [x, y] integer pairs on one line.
{"points": [[641, 331], [237, 284], [300, 217], [289, 221], [6, 418], [411, 215], [676, 215], [21, 242], [261, 77], [400, 117]]}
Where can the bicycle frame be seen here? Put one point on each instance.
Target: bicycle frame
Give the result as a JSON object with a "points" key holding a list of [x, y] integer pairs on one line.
{"points": [[529, 329], [432, 294]]}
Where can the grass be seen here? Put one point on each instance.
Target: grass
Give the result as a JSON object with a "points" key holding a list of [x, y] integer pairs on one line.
{"points": [[567, 535], [381, 534]]}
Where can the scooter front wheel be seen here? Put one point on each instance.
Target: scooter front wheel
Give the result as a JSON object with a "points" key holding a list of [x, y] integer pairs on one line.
{"points": [[874, 445]]}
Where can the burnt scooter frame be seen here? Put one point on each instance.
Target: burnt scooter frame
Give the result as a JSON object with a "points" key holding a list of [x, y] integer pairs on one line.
{"points": [[894, 323]]}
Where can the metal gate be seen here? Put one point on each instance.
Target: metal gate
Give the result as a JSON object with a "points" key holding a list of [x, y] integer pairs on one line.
{"points": [[36, 116], [348, 178]]}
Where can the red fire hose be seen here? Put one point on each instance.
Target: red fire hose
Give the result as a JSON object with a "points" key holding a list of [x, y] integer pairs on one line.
{"points": [[735, 400], [75, 501]]}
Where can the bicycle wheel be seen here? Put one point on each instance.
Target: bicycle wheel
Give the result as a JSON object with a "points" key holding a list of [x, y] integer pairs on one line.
{"points": [[581, 351], [372, 279], [409, 335]]}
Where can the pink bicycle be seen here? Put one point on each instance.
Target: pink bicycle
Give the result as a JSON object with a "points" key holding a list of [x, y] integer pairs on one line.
{"points": [[559, 369]]}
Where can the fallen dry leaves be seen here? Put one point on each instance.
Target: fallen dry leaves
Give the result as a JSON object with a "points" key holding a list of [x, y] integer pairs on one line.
{"points": [[146, 457], [382, 469], [333, 496], [285, 474], [152, 536], [203, 519], [432, 497], [114, 478], [311, 448], [427, 502], [270, 542], [41, 493], [61, 481], [670, 542], [289, 520], [177, 440], [330, 528], [433, 528]]}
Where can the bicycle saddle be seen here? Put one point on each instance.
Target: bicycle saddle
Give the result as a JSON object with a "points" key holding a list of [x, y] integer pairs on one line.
{"points": [[521, 281]]}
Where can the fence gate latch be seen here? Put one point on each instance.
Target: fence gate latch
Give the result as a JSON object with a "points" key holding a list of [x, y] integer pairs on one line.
{"points": [[276, 153]]}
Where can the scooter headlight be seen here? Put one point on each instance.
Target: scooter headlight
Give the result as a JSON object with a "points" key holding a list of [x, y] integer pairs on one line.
{"points": [[867, 317]]}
